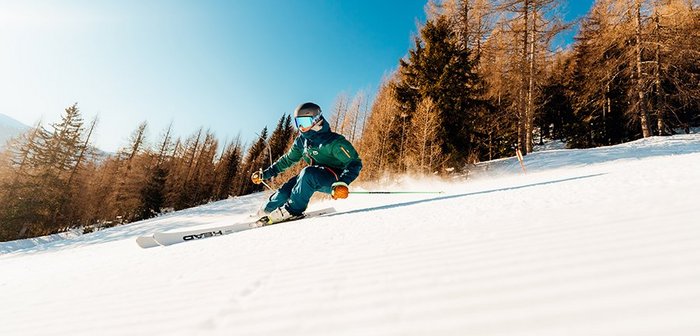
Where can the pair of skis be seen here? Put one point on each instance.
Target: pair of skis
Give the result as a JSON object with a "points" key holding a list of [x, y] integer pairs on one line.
{"points": [[175, 237]]}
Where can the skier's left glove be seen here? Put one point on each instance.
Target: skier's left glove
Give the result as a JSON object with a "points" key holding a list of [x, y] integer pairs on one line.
{"points": [[339, 190], [257, 177]]}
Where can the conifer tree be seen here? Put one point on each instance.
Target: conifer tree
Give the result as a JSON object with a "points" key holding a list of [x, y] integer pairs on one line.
{"points": [[181, 191], [203, 182], [153, 193], [47, 162], [255, 159], [354, 118], [175, 181], [600, 81], [72, 204], [439, 69], [131, 176], [229, 165], [280, 137], [337, 115], [379, 148], [16, 212], [424, 144]]}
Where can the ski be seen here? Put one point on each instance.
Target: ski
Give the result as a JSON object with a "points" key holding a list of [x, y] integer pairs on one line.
{"points": [[147, 241], [175, 237]]}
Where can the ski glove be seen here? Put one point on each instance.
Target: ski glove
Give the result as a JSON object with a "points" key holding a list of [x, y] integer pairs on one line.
{"points": [[339, 190], [257, 177]]}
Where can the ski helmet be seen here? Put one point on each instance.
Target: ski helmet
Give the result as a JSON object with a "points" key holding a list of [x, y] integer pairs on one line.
{"points": [[307, 117], [307, 110]]}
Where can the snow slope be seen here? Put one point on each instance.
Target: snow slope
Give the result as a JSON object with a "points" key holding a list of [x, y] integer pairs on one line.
{"points": [[590, 242]]}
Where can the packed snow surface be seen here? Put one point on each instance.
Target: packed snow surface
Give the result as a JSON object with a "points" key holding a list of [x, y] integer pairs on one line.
{"points": [[601, 241]]}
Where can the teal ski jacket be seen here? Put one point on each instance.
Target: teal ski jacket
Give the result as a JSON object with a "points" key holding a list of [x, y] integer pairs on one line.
{"points": [[321, 148]]}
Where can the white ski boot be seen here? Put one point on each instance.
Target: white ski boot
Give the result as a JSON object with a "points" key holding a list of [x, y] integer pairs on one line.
{"points": [[278, 215]]}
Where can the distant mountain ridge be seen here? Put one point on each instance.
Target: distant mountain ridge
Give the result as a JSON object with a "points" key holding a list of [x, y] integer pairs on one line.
{"points": [[10, 128]]}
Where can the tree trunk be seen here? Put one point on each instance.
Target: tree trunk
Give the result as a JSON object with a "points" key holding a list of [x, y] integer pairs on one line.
{"points": [[164, 146], [464, 18], [530, 113], [660, 120], [607, 108], [641, 110], [522, 115]]}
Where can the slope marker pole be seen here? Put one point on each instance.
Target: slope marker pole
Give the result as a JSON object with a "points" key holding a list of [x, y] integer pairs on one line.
{"points": [[520, 159]]}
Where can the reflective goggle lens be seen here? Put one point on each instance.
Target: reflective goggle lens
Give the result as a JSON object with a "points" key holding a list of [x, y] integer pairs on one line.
{"points": [[304, 122]]}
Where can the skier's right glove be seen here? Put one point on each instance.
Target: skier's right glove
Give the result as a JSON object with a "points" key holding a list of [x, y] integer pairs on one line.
{"points": [[257, 177], [339, 190]]}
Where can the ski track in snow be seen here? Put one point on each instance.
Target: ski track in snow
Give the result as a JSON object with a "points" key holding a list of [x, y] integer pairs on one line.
{"points": [[601, 241]]}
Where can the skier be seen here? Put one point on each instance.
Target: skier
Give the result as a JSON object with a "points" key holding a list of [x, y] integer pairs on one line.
{"points": [[333, 165]]}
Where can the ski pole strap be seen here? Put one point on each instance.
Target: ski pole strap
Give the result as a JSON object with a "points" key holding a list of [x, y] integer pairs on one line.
{"points": [[396, 192]]}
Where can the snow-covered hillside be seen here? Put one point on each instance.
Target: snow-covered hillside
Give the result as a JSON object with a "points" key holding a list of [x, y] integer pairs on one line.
{"points": [[589, 242]]}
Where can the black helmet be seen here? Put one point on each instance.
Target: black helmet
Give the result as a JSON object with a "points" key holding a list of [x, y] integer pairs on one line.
{"points": [[307, 110]]}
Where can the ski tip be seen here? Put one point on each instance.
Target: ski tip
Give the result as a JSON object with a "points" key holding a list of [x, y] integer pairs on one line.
{"points": [[146, 242]]}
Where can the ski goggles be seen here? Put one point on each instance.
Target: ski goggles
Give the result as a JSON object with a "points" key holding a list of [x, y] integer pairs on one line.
{"points": [[304, 123]]}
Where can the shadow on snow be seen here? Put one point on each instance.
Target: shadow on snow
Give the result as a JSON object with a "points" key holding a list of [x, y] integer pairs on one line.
{"points": [[442, 198]]}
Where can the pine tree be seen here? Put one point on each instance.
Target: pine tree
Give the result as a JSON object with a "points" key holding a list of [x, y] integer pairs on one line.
{"points": [[16, 212], [71, 206], [600, 81], [424, 145], [439, 69], [337, 115], [153, 193], [43, 186], [204, 177], [557, 108], [673, 83], [280, 138], [378, 146], [131, 176], [255, 159], [230, 166]]}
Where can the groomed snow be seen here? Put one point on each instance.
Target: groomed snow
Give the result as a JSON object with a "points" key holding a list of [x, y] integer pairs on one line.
{"points": [[589, 242]]}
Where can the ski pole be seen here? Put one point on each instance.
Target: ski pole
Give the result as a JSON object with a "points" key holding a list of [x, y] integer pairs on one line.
{"points": [[262, 181], [381, 192], [395, 192], [265, 184]]}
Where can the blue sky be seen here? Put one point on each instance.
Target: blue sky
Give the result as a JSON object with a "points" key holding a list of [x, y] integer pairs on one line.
{"points": [[230, 66]]}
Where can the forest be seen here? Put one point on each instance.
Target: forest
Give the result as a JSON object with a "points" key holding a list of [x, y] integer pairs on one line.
{"points": [[484, 79]]}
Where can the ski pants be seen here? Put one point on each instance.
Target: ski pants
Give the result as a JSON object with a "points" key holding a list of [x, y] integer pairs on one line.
{"points": [[297, 192]]}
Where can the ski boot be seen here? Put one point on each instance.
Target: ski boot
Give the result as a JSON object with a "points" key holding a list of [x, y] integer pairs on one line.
{"points": [[278, 215]]}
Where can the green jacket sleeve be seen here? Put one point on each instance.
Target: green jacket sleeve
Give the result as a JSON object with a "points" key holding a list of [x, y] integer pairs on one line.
{"points": [[346, 153], [287, 160]]}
